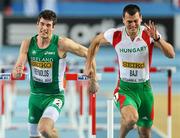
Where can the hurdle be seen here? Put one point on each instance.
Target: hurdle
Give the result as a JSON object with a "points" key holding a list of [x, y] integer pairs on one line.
{"points": [[69, 76], [110, 102], [2, 115], [76, 76]]}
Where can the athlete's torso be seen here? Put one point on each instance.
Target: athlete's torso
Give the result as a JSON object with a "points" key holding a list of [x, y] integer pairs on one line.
{"points": [[134, 56], [44, 67]]}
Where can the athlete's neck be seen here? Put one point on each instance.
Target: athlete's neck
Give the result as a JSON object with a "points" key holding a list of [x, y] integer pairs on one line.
{"points": [[132, 35], [43, 42]]}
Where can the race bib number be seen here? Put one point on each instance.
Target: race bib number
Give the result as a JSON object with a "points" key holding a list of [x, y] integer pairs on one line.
{"points": [[42, 71], [133, 73]]}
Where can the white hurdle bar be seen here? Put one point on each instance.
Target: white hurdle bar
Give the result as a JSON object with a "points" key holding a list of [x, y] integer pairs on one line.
{"points": [[69, 76], [110, 118]]}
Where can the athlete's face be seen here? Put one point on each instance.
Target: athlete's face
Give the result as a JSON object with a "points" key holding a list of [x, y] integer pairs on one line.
{"points": [[132, 23], [45, 28]]}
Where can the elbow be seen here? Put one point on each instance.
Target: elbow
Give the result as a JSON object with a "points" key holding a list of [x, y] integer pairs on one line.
{"points": [[171, 55], [85, 55]]}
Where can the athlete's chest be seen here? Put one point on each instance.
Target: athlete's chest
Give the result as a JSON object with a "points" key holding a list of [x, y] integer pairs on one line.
{"points": [[44, 55], [132, 49]]}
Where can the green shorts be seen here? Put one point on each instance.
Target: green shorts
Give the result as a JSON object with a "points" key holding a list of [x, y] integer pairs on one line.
{"points": [[140, 96], [39, 102]]}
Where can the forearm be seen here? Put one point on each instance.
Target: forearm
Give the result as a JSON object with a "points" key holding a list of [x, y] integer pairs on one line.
{"points": [[93, 83], [21, 61], [166, 47], [18, 69], [22, 58], [93, 49], [94, 77]]}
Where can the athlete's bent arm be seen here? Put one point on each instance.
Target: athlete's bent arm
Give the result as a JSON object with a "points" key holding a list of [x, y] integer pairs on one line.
{"points": [[98, 41], [166, 47], [68, 45], [22, 59]]}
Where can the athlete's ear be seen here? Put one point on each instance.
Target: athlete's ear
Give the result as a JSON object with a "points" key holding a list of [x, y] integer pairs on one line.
{"points": [[140, 18], [123, 20]]}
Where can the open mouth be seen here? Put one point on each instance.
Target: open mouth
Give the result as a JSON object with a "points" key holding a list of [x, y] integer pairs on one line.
{"points": [[44, 33]]}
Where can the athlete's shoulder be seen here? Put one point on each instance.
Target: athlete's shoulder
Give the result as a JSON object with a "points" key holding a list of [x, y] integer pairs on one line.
{"points": [[112, 30], [121, 29], [143, 29], [26, 41], [113, 34], [25, 44], [145, 36], [63, 40]]}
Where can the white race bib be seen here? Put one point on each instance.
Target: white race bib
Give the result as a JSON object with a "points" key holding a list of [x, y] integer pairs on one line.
{"points": [[42, 71]]}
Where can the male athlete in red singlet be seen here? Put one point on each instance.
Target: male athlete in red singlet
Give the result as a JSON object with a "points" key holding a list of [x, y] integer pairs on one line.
{"points": [[133, 44]]}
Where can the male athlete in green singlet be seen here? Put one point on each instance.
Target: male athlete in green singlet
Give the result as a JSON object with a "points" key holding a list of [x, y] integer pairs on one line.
{"points": [[133, 44], [44, 52]]}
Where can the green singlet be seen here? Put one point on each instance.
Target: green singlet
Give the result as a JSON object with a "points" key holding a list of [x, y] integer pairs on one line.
{"points": [[44, 81]]}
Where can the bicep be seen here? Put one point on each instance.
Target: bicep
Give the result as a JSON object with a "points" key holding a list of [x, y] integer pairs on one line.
{"points": [[22, 58], [100, 40], [68, 45]]}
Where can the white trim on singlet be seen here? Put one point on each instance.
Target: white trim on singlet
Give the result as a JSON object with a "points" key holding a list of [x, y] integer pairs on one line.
{"points": [[62, 68]]}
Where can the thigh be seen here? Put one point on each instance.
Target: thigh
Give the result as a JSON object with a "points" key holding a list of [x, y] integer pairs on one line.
{"points": [[129, 114], [146, 110], [57, 102], [34, 112], [122, 98]]}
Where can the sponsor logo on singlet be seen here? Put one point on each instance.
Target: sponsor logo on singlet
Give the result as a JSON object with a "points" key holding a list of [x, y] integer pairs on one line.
{"points": [[49, 53], [133, 65], [42, 71]]}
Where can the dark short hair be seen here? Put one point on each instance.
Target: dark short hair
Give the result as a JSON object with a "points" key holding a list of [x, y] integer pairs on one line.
{"points": [[48, 15], [131, 9]]}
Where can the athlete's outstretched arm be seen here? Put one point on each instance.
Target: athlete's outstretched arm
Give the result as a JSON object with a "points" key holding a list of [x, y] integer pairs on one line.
{"points": [[166, 47], [22, 59], [68, 45], [98, 41]]}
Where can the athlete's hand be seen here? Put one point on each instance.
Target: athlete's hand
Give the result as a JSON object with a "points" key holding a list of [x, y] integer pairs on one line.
{"points": [[18, 71], [151, 30], [93, 86]]}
